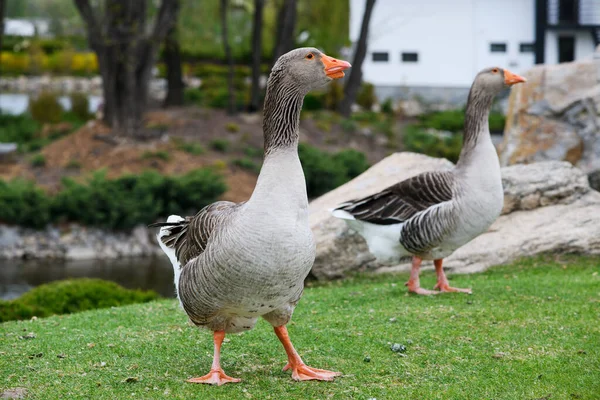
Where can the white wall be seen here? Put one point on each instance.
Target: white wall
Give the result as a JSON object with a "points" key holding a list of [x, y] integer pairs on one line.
{"points": [[452, 38]]}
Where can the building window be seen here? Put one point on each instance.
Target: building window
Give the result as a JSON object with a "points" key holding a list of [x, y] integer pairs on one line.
{"points": [[410, 57], [380, 56], [527, 47], [498, 47], [568, 11], [566, 49]]}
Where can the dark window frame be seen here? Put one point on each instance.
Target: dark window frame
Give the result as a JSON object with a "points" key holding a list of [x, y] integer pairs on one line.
{"points": [[568, 12], [570, 41], [380, 56], [526, 47], [498, 47], [409, 56]]}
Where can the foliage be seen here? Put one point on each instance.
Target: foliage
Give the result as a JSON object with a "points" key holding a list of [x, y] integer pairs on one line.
{"points": [[80, 105], [348, 125], [193, 96], [189, 147], [46, 108], [221, 145], [158, 154], [232, 127], [314, 101], [130, 200], [418, 140], [247, 164], [334, 95], [529, 330], [38, 160], [34, 62], [20, 129], [366, 96], [70, 296], [387, 107], [22, 203], [454, 120], [324, 171]]}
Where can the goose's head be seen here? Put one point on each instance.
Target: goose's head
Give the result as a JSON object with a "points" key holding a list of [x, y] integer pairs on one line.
{"points": [[309, 68], [496, 79]]}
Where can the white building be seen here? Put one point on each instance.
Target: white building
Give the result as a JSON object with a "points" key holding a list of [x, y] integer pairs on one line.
{"points": [[433, 44]]}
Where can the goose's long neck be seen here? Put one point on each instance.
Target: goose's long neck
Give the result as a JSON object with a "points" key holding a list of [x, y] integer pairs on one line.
{"points": [[477, 143], [281, 178]]}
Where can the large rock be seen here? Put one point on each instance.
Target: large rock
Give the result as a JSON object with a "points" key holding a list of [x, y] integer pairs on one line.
{"points": [[548, 207], [555, 116]]}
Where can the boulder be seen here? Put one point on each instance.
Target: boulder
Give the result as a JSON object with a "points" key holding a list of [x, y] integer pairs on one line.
{"points": [[548, 207], [555, 116]]}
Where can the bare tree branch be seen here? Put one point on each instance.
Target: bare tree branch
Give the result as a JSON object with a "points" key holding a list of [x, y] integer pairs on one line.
{"points": [[166, 19], [87, 14]]}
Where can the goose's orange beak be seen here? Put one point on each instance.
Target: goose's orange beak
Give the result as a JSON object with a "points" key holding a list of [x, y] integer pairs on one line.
{"points": [[511, 79], [334, 68]]}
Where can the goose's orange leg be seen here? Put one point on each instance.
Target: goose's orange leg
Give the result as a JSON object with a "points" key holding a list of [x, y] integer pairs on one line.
{"points": [[442, 282], [414, 286], [300, 371], [216, 376]]}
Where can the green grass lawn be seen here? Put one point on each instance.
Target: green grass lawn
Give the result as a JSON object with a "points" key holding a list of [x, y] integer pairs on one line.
{"points": [[530, 331]]}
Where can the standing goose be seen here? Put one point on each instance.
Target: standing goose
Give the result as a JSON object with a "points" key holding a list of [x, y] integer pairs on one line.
{"points": [[431, 215], [235, 262]]}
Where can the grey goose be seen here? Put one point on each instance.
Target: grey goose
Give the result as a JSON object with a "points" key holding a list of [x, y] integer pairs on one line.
{"points": [[432, 214], [236, 262]]}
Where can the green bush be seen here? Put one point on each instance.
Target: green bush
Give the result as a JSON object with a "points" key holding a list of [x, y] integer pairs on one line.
{"points": [[130, 200], [22, 203], [366, 96], [348, 125], [314, 101], [46, 108], [232, 127], [189, 147], [247, 164], [221, 145], [80, 106], [38, 160], [387, 107], [70, 296], [193, 96], [454, 120], [254, 152], [324, 171], [20, 129], [334, 95], [158, 154], [418, 140]]}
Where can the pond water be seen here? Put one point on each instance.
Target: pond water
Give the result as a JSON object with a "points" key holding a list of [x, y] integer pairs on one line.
{"points": [[17, 103], [19, 276]]}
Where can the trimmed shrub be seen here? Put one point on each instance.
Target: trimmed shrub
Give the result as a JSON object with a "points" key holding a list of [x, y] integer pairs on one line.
{"points": [[46, 108], [314, 101], [324, 171], [70, 296], [20, 129], [38, 160], [366, 96], [418, 140], [130, 200], [80, 106], [454, 120], [22, 203], [387, 107], [221, 145]]}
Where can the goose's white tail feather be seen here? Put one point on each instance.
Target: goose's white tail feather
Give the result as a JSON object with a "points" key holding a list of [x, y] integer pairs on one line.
{"points": [[341, 214], [383, 240], [170, 252]]}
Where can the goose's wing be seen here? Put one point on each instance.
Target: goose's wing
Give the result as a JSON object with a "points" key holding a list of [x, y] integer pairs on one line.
{"points": [[190, 235], [403, 200]]}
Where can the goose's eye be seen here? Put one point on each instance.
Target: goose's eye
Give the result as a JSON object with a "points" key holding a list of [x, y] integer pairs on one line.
{"points": [[495, 70], [310, 56]]}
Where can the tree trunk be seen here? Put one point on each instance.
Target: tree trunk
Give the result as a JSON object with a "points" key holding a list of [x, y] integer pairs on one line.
{"points": [[228, 57], [126, 55], [2, 13], [256, 55], [174, 74], [286, 25], [355, 78]]}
